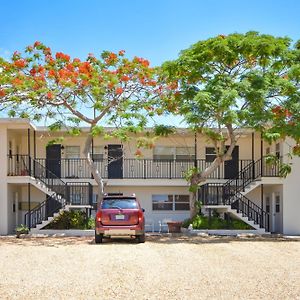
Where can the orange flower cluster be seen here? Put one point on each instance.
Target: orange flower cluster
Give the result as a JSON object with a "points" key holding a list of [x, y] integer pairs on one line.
{"points": [[17, 81], [125, 78], [50, 95], [281, 112], [62, 56], [85, 68], [142, 61], [20, 63], [119, 90], [36, 44], [111, 58], [2, 93]]}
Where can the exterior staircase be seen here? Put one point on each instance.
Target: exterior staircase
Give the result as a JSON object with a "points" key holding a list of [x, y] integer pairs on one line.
{"points": [[231, 196], [58, 196]]}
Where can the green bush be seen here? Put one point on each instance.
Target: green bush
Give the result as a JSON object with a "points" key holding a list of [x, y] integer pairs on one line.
{"points": [[73, 219], [215, 222]]}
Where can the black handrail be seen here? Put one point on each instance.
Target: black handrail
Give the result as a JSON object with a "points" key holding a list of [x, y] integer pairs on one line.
{"points": [[77, 168], [252, 211], [229, 193]]}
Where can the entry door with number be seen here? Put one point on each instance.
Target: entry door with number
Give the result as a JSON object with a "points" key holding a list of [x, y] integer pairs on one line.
{"points": [[53, 160], [115, 161], [232, 166]]}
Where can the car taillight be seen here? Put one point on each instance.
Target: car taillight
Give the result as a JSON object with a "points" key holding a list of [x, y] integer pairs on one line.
{"points": [[98, 217], [140, 216]]}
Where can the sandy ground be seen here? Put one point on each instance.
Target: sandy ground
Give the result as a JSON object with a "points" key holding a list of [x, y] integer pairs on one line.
{"points": [[163, 268]]}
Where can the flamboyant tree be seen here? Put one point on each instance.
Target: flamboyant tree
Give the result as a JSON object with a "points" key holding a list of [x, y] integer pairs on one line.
{"points": [[38, 84], [230, 82]]}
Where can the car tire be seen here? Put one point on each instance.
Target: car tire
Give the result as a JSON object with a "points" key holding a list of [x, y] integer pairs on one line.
{"points": [[98, 238], [141, 238]]}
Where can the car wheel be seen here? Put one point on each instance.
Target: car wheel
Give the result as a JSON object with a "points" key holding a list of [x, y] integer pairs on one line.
{"points": [[98, 238], [141, 238]]}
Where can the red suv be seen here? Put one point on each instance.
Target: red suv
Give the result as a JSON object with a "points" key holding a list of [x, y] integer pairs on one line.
{"points": [[120, 216]]}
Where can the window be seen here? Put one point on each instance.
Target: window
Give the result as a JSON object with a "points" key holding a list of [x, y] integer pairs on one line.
{"points": [[163, 153], [162, 202], [170, 202], [210, 154], [182, 202], [277, 150], [185, 153], [98, 153], [72, 152], [170, 153], [277, 204], [123, 203], [268, 204], [76, 198]]}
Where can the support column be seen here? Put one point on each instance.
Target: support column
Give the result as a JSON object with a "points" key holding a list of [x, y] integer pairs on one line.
{"points": [[29, 151], [253, 157], [261, 155], [29, 205], [17, 207], [3, 183], [34, 144]]}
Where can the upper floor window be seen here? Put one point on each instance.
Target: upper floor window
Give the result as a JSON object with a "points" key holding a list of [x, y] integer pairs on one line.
{"points": [[72, 151], [277, 150], [210, 154], [98, 153], [170, 153]]}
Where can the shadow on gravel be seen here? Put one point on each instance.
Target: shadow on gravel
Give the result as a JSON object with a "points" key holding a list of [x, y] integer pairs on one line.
{"points": [[156, 239]]}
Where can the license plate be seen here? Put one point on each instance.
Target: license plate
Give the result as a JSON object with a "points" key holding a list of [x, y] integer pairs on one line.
{"points": [[120, 217]]}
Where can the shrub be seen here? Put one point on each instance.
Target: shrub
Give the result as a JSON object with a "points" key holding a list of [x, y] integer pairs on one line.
{"points": [[73, 219], [215, 222]]}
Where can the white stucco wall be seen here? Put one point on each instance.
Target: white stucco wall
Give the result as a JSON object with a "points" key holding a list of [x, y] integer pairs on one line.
{"points": [[291, 196], [144, 195]]}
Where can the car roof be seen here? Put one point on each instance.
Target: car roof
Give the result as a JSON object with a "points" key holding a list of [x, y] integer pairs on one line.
{"points": [[118, 197]]}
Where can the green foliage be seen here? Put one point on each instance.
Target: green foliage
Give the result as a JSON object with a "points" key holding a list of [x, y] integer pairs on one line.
{"points": [[164, 130], [284, 170], [58, 140], [237, 80], [215, 222], [73, 219], [22, 229], [97, 130]]}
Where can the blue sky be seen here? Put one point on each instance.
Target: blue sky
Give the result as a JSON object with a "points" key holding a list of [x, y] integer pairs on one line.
{"points": [[154, 29]]}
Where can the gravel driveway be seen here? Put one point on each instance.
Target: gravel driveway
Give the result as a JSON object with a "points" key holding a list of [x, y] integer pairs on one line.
{"points": [[162, 268]]}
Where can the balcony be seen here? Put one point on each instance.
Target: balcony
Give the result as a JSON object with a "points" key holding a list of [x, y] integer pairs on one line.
{"points": [[22, 165]]}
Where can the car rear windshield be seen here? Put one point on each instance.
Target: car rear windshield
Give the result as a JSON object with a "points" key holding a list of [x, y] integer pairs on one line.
{"points": [[119, 203]]}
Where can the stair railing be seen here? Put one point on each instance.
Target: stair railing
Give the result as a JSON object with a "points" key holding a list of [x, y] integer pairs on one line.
{"points": [[57, 200], [250, 210]]}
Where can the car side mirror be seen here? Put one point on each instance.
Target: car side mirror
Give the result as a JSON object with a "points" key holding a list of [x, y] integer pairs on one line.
{"points": [[143, 209]]}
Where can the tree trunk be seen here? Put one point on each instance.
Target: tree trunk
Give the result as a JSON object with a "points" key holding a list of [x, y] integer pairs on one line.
{"points": [[92, 166], [194, 208]]}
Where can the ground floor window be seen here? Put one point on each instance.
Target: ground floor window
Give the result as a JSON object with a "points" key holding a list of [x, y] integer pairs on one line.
{"points": [[170, 202]]}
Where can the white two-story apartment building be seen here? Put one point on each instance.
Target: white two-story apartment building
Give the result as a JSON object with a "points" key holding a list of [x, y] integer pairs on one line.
{"points": [[38, 178]]}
